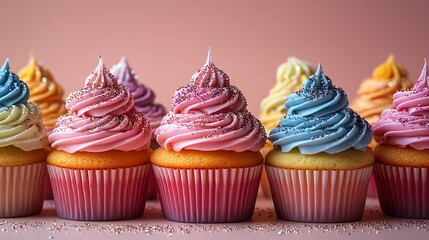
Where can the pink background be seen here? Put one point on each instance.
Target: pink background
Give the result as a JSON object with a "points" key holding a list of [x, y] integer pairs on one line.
{"points": [[166, 41]]}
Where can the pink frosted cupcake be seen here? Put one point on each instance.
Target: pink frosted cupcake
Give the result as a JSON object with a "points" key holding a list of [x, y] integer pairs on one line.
{"points": [[209, 166], [144, 101], [100, 167], [320, 166], [22, 149], [402, 164]]}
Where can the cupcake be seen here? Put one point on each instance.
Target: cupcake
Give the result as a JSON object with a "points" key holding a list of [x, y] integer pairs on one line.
{"points": [[290, 77], [22, 149], [144, 101], [320, 166], [376, 94], [48, 94], [100, 166], [209, 164], [402, 167]]}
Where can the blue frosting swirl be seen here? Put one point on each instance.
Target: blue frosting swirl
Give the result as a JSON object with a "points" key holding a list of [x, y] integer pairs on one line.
{"points": [[12, 90], [318, 120]]}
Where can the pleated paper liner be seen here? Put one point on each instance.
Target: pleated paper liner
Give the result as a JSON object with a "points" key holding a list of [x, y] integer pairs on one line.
{"points": [[403, 191], [208, 195], [100, 194], [22, 190], [319, 196]]}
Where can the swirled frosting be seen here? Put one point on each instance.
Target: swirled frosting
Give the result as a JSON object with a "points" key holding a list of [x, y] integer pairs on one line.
{"points": [[44, 91], [21, 123], [210, 114], [290, 77], [101, 117], [375, 93], [407, 123], [318, 120], [143, 96], [12, 89]]}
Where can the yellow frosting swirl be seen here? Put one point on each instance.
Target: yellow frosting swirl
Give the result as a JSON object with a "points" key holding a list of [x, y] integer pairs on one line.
{"points": [[290, 76], [44, 91], [21, 126], [376, 93]]}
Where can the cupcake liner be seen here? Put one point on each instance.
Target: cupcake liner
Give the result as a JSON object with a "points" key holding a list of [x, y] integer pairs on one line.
{"points": [[319, 195], [403, 191], [208, 195], [372, 188], [100, 194], [48, 188], [22, 190]]}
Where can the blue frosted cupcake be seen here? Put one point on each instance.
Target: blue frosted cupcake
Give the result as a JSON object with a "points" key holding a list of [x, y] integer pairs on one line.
{"points": [[320, 166]]}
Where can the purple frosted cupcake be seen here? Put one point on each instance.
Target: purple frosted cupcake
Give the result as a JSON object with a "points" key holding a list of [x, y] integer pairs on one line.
{"points": [[144, 101]]}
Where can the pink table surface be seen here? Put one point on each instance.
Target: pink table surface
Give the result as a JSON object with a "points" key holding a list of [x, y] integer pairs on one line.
{"points": [[264, 225]]}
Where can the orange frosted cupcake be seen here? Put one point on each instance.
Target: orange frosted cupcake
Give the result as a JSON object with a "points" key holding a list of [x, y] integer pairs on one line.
{"points": [[22, 149], [376, 94], [100, 164], [48, 94], [209, 166]]}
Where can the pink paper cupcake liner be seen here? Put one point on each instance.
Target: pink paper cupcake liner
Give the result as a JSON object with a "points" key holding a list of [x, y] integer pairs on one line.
{"points": [[403, 191], [319, 195], [22, 190], [372, 188], [208, 195], [100, 194]]}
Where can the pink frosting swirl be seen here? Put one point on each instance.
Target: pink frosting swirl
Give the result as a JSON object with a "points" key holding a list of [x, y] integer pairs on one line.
{"points": [[407, 123], [101, 117], [143, 96], [210, 114]]}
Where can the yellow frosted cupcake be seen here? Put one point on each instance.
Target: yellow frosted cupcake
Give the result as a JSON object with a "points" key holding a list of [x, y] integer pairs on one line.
{"points": [[22, 149], [320, 166], [290, 77], [208, 166], [100, 164]]}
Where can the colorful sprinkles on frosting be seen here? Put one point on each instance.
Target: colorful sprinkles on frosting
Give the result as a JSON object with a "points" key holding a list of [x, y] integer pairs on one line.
{"points": [[318, 120]]}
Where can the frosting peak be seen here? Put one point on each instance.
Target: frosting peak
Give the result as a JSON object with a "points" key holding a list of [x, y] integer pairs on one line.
{"points": [[318, 120], [12, 89], [123, 72], [317, 82], [389, 69], [210, 114], [101, 77], [44, 91], [209, 75], [143, 96], [423, 81]]}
